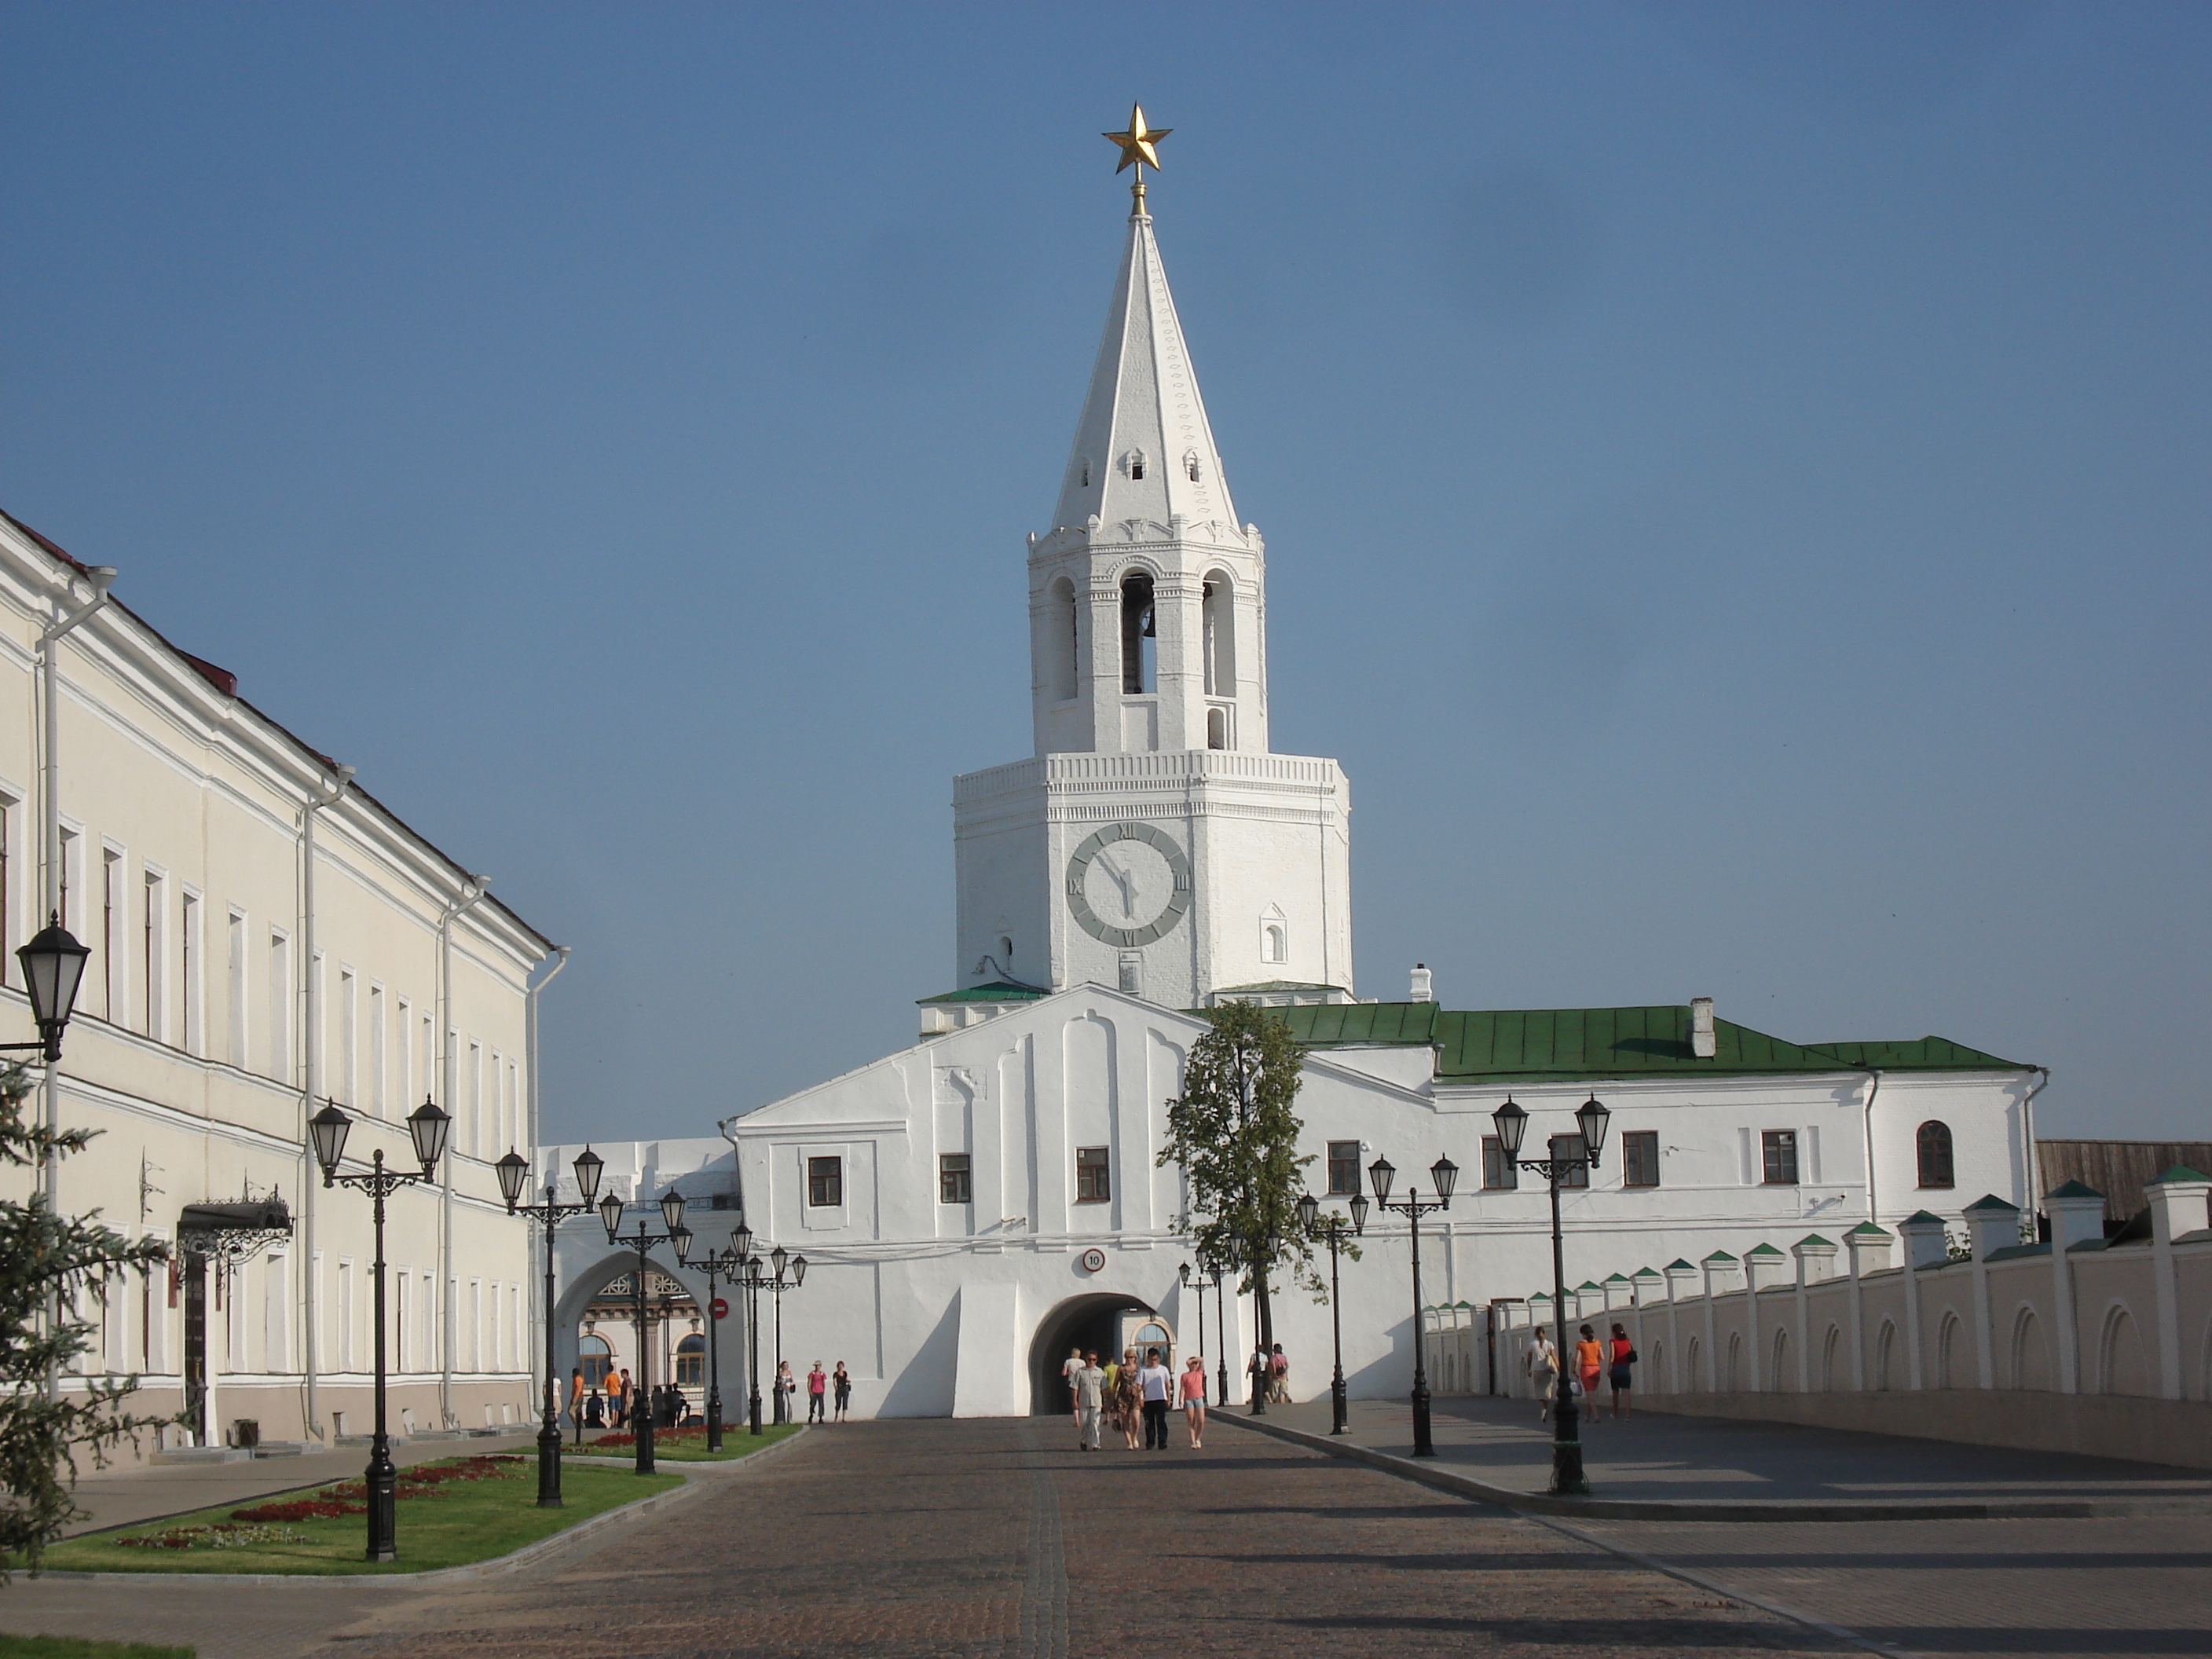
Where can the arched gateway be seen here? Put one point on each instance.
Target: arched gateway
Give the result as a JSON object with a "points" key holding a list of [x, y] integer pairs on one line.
{"points": [[1103, 1322]]}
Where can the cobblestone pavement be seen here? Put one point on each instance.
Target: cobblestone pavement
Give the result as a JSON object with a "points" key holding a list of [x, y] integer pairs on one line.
{"points": [[1947, 1588], [1651, 1455]]}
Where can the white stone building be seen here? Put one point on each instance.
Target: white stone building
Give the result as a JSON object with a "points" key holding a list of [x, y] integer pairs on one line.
{"points": [[971, 1206], [264, 932]]}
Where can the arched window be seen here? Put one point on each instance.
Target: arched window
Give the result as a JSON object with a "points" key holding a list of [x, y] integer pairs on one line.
{"points": [[1086, 473], [1278, 944], [1191, 469], [1136, 462], [1057, 649], [1778, 1377], [1139, 635], [597, 1359], [691, 1361], [1219, 645], [1216, 728], [1933, 1144]]}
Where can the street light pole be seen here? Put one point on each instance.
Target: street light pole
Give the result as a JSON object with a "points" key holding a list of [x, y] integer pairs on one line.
{"points": [[1445, 1174], [790, 1274], [680, 1236], [513, 1171], [1568, 1479], [1221, 1334], [1333, 1234], [427, 1127], [723, 1267]]}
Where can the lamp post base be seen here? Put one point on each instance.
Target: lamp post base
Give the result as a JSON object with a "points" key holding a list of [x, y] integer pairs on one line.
{"points": [[1339, 1408], [382, 1482], [753, 1413], [549, 1464], [645, 1442], [713, 1422], [1567, 1477], [1424, 1444]]}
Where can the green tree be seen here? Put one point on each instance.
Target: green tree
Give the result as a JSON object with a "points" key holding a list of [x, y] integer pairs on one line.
{"points": [[1234, 1131], [47, 1262]]}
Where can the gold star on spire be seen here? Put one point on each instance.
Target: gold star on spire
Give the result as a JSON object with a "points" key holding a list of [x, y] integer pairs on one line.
{"points": [[1137, 143]]}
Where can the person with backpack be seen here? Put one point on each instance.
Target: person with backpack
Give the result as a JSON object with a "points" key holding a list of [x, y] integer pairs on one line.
{"points": [[1624, 1358], [1279, 1377]]}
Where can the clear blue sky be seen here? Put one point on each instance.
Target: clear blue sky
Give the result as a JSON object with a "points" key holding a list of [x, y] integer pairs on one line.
{"points": [[1735, 475]]}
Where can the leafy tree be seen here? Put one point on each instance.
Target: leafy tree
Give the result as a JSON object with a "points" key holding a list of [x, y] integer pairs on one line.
{"points": [[1234, 1134], [46, 1261]]}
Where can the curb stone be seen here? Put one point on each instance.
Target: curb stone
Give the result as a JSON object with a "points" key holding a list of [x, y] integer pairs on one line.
{"points": [[514, 1558], [1445, 1478]]}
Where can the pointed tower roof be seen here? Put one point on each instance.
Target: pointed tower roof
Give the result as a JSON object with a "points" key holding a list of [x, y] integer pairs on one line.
{"points": [[1143, 414]]}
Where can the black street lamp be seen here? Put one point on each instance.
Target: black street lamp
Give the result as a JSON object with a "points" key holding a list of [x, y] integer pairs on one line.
{"points": [[513, 1171], [428, 1127], [680, 1236], [1590, 1121], [1445, 1174], [53, 968], [1206, 1279], [790, 1274], [724, 1267], [1225, 1272], [1310, 1217]]}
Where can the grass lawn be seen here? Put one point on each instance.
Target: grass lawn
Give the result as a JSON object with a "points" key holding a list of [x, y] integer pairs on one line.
{"points": [[76, 1647], [683, 1445], [467, 1509]]}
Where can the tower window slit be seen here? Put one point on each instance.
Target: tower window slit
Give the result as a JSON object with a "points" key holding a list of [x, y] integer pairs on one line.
{"points": [[1139, 668]]}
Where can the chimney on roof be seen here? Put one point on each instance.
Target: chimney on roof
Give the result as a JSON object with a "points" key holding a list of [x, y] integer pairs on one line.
{"points": [[1703, 1045], [1423, 989]]}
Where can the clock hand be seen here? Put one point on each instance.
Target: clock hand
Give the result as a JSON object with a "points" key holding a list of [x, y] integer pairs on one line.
{"points": [[1123, 880]]}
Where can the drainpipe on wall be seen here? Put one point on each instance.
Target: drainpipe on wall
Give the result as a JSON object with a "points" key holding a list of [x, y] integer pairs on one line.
{"points": [[1873, 1088], [322, 795], [531, 1133], [49, 807], [472, 891], [2027, 1129]]}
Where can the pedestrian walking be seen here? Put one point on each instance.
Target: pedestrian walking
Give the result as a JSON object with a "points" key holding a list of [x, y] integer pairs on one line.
{"points": [[576, 1403], [1157, 1383], [1088, 1384], [1279, 1377], [785, 1386], [1624, 1359], [1590, 1365], [818, 1384], [595, 1413], [1257, 1369], [1068, 1367], [1191, 1385], [620, 1399], [1543, 1367], [841, 1381], [1128, 1398]]}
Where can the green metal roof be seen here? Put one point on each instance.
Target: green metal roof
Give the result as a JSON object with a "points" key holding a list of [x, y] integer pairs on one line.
{"points": [[2178, 1172], [1763, 1250], [1992, 1202], [998, 990], [2072, 1189], [1533, 1045]]}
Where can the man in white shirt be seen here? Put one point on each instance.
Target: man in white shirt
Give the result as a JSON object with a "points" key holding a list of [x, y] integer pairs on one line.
{"points": [[1089, 1383], [1157, 1385]]}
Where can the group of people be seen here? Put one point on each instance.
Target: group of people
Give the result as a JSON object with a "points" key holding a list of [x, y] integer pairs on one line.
{"points": [[624, 1405], [1611, 1359], [1134, 1398], [1271, 1375], [821, 1387]]}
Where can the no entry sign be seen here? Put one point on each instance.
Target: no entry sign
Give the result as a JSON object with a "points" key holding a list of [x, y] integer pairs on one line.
{"points": [[719, 1307]]}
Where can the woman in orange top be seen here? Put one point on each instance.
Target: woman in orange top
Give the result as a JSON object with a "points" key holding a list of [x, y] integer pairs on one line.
{"points": [[1589, 1362]]}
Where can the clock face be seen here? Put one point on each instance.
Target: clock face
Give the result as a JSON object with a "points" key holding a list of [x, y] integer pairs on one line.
{"points": [[1128, 884]]}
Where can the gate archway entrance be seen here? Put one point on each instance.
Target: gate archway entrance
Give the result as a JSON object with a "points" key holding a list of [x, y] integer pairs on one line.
{"points": [[1094, 1323]]}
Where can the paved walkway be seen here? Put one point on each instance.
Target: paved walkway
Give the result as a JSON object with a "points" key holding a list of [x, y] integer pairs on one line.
{"points": [[117, 1497], [1651, 1455]]}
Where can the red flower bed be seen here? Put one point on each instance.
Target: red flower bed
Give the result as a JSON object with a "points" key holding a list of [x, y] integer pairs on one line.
{"points": [[300, 1509], [352, 1497], [696, 1431]]}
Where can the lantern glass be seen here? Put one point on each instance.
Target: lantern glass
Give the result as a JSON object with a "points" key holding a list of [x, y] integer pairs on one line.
{"points": [[1232, 1252], [1445, 1174], [428, 1127], [741, 1240], [1309, 1210], [681, 1238], [671, 1209], [1592, 1119], [781, 1259], [1512, 1124], [328, 1129], [514, 1169], [1359, 1208], [798, 1271], [1379, 1174], [588, 1166], [611, 1209], [53, 967]]}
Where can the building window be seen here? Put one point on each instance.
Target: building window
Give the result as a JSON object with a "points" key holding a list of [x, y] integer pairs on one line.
{"points": [[235, 970], [1639, 1158], [691, 1361], [1061, 653], [1136, 462], [1778, 1147], [953, 1185], [1933, 1143], [110, 932], [150, 955], [1568, 1152], [1092, 1183], [597, 1359], [189, 994], [825, 1182], [1140, 635], [1217, 610], [1343, 1168], [1499, 1173], [1216, 728]]}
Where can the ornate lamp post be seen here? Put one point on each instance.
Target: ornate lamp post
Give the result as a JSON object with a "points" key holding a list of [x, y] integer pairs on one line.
{"points": [[725, 1267], [1590, 1118], [1310, 1217], [1225, 1272], [53, 969], [678, 1235], [1207, 1279], [1445, 1175], [428, 1127], [790, 1274], [513, 1171]]}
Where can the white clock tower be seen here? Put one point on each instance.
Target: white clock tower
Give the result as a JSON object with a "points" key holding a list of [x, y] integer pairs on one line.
{"points": [[1153, 841]]}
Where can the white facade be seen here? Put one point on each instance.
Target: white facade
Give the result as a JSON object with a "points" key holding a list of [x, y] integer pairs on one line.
{"points": [[228, 988], [972, 1204]]}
